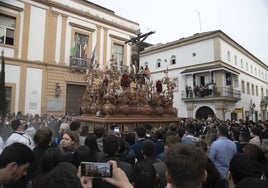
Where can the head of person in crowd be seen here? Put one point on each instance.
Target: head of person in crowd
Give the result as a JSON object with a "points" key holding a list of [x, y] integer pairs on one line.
{"points": [[130, 138], [159, 134], [186, 166], [99, 131], [252, 182], [235, 133], [148, 128], [91, 142], [202, 144], [18, 125], [64, 175], [140, 132], [255, 132], [43, 137], [171, 140], [148, 149], [14, 162], [85, 131], [63, 128], [241, 167], [222, 130], [244, 137], [82, 154], [145, 175], [76, 126], [70, 141], [190, 129], [253, 152], [110, 145], [50, 158]]}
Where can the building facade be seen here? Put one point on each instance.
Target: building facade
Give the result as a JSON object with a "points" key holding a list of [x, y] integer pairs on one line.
{"points": [[48, 46], [214, 75]]}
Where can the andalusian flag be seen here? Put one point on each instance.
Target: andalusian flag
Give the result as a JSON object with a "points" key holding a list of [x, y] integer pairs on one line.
{"points": [[73, 48]]}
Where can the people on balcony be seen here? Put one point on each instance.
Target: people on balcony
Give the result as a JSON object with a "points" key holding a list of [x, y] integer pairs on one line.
{"points": [[200, 91]]}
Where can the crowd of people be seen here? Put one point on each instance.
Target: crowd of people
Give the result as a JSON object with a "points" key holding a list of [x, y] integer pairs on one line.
{"points": [[207, 153]]}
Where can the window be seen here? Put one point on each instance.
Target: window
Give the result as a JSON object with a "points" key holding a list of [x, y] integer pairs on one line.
{"points": [[257, 91], [158, 63], [228, 55], [118, 51], [248, 89], [7, 29], [251, 68], [259, 73], [262, 92], [79, 48], [242, 86], [246, 66], [252, 89], [255, 71], [242, 64], [235, 59], [173, 60]]}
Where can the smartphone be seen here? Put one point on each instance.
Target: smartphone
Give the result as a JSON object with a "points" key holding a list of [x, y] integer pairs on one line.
{"points": [[116, 129], [97, 170]]}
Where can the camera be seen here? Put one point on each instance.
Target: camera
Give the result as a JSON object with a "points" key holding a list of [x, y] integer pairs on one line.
{"points": [[95, 169]]}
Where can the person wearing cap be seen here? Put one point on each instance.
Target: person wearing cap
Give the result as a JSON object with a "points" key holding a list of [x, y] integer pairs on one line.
{"points": [[19, 135]]}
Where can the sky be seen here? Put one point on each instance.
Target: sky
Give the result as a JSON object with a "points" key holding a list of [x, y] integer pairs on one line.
{"points": [[245, 21]]}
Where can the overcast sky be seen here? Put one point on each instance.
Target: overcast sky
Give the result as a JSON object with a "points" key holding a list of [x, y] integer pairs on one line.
{"points": [[245, 21]]}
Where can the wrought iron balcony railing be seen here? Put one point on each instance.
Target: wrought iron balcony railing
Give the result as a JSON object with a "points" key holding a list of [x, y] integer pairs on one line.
{"points": [[218, 92], [80, 62]]}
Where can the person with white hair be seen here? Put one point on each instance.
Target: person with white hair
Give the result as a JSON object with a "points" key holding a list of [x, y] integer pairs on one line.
{"points": [[62, 129]]}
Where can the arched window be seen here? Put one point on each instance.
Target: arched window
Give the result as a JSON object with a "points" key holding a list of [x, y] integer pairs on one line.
{"points": [[228, 55], [158, 63], [235, 59], [173, 60]]}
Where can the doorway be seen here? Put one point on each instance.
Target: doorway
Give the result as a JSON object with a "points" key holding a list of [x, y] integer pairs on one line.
{"points": [[74, 98], [203, 112]]}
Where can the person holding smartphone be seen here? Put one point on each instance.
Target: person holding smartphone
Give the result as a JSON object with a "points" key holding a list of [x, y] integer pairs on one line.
{"points": [[118, 178]]}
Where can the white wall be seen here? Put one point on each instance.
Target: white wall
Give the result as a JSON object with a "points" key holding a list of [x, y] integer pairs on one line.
{"points": [[33, 91], [13, 76], [37, 34], [204, 51]]}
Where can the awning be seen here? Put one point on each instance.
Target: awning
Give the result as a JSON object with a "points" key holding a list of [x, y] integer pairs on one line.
{"points": [[208, 68]]}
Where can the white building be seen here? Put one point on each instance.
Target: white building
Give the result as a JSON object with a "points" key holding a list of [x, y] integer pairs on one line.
{"points": [[215, 60], [48, 46]]}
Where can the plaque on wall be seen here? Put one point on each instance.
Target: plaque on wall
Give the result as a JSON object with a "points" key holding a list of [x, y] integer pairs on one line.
{"points": [[55, 104]]}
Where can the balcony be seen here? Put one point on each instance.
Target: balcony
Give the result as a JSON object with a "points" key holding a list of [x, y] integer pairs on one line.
{"points": [[264, 100], [80, 62], [218, 94]]}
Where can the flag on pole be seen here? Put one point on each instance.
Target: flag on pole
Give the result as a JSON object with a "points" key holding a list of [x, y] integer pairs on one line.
{"points": [[73, 48], [93, 54], [85, 50]]}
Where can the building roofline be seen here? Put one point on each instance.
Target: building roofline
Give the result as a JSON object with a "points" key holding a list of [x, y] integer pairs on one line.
{"points": [[201, 36]]}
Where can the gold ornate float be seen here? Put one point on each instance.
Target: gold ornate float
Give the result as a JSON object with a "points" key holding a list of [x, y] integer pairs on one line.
{"points": [[115, 95]]}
